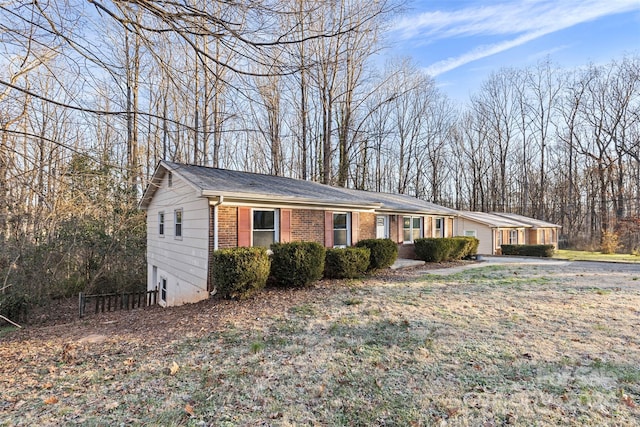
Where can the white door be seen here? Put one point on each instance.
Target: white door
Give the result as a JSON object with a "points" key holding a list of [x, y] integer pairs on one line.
{"points": [[382, 228]]}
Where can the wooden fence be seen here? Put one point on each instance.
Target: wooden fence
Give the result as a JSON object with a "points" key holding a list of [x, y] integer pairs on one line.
{"points": [[115, 302]]}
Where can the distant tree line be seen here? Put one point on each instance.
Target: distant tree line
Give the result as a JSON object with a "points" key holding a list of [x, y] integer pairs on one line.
{"points": [[94, 94]]}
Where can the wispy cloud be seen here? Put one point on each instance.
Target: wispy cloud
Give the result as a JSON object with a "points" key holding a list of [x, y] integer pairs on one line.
{"points": [[518, 21]]}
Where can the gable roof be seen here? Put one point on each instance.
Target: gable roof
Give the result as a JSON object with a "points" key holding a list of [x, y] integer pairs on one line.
{"points": [[492, 220], [535, 223], [236, 185]]}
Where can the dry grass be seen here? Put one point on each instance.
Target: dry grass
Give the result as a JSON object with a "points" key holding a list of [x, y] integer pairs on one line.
{"points": [[516, 345]]}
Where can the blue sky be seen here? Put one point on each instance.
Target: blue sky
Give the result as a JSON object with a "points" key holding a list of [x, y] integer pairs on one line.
{"points": [[460, 42]]}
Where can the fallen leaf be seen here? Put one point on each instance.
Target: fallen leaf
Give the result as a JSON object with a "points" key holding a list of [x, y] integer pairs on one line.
{"points": [[51, 400], [627, 400], [189, 409], [174, 368]]}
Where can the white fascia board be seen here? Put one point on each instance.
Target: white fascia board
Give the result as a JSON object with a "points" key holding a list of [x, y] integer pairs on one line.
{"points": [[247, 199]]}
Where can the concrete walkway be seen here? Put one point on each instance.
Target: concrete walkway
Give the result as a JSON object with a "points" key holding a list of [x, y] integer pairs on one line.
{"points": [[404, 263], [483, 261]]}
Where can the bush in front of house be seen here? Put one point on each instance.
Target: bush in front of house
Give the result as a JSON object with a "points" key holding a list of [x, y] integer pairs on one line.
{"points": [[297, 264], [433, 249], [466, 247], [346, 263], [384, 252], [544, 251], [446, 249], [239, 273]]}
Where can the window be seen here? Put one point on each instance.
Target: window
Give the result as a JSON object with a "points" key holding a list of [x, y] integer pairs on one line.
{"points": [[470, 233], [170, 179], [163, 289], [178, 222], [412, 228], [439, 229], [161, 224], [513, 237], [498, 238], [382, 230], [541, 236], [340, 230], [265, 226]]}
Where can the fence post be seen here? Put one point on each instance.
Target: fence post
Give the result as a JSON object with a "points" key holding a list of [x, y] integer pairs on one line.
{"points": [[81, 302]]}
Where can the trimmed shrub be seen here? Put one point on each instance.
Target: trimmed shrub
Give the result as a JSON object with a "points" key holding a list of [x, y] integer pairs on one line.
{"points": [[468, 247], [240, 272], [545, 251], [445, 249], [384, 252], [297, 264], [346, 263], [433, 249]]}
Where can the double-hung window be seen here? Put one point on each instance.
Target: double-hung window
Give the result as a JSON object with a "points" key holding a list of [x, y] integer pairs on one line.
{"points": [[163, 289], [412, 228], [513, 237], [177, 217], [161, 224], [341, 229], [439, 228], [265, 227]]}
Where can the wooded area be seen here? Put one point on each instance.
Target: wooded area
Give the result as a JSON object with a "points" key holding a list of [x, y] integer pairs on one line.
{"points": [[93, 94]]}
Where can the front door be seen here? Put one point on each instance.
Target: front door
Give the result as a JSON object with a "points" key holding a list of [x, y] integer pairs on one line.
{"points": [[382, 227]]}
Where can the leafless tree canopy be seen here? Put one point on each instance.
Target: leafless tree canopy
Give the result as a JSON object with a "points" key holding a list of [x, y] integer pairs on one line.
{"points": [[93, 94]]}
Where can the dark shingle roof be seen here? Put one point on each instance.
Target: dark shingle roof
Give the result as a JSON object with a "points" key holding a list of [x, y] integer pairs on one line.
{"points": [[253, 186]]}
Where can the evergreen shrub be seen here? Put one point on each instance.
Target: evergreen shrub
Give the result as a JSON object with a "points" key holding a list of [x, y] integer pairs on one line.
{"points": [[446, 248], [297, 264], [544, 251], [384, 252], [346, 263], [240, 272]]}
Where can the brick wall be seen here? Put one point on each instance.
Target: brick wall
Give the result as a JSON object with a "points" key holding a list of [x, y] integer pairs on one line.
{"points": [[227, 227], [367, 228], [307, 225]]}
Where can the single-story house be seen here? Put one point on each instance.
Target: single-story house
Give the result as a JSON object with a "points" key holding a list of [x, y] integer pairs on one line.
{"points": [[195, 210], [491, 230], [540, 233]]}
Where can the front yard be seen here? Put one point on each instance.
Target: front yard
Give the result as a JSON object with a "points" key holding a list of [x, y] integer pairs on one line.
{"points": [[496, 345]]}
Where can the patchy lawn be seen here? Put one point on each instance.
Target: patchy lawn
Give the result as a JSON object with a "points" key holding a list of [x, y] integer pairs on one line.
{"points": [[497, 345], [595, 256]]}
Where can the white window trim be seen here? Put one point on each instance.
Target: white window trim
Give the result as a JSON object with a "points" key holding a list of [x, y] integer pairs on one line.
{"points": [[164, 289], [276, 223], [175, 222], [470, 233], [411, 227], [439, 232], [511, 233], [348, 214], [162, 231]]}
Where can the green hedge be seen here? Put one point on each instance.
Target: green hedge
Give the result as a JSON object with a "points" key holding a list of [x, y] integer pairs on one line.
{"points": [[545, 251], [240, 272], [346, 263], [384, 252], [446, 249], [297, 264]]}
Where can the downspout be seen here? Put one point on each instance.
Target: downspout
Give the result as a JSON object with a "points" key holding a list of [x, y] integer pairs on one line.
{"points": [[215, 222]]}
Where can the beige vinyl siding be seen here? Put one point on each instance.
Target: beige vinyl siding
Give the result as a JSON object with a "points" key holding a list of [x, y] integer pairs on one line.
{"points": [[185, 257], [483, 233]]}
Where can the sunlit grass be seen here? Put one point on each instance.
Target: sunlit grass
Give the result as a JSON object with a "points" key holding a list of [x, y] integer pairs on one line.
{"points": [[594, 256]]}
